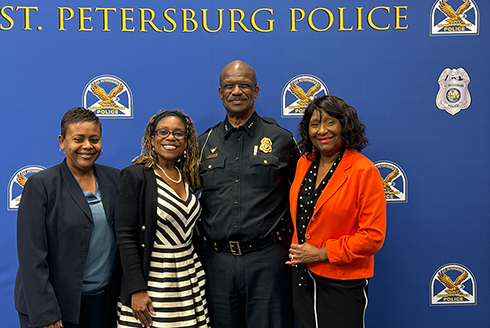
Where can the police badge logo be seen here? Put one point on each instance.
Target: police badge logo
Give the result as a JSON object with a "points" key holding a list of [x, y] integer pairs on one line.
{"points": [[453, 94], [266, 145], [17, 183], [108, 97], [450, 17], [394, 180], [299, 92], [453, 284]]}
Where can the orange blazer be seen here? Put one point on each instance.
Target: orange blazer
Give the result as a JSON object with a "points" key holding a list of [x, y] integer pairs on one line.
{"points": [[349, 218]]}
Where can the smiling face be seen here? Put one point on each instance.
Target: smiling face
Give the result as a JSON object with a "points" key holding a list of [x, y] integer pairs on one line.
{"points": [[325, 134], [238, 89], [82, 146], [172, 146]]}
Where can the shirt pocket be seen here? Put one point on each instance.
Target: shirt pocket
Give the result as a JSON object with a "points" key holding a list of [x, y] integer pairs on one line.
{"points": [[212, 173], [262, 168]]}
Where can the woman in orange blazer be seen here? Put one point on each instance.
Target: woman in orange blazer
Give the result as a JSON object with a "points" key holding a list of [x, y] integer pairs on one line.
{"points": [[338, 208]]}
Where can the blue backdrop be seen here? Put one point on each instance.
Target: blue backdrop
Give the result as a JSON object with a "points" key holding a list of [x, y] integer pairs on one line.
{"points": [[417, 72]]}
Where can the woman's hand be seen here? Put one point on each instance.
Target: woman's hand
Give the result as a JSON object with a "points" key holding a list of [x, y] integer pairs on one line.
{"points": [[57, 324], [142, 308], [306, 253]]}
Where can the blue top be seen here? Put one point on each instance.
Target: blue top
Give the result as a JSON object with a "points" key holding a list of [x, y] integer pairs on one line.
{"points": [[102, 249]]}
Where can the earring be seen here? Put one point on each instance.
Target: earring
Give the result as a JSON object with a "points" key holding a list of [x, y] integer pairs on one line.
{"points": [[101, 151], [61, 151], [185, 153]]}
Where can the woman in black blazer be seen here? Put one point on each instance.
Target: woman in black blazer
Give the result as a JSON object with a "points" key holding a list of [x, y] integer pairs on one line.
{"points": [[65, 236]]}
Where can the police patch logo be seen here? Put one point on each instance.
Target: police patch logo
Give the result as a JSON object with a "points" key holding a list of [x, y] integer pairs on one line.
{"points": [[453, 284], [450, 17], [453, 94], [299, 92], [17, 183], [394, 180], [108, 97]]}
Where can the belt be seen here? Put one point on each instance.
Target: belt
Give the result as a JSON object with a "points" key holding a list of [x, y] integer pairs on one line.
{"points": [[243, 247]]}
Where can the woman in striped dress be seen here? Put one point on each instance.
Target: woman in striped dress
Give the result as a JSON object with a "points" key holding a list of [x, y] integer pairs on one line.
{"points": [[156, 210]]}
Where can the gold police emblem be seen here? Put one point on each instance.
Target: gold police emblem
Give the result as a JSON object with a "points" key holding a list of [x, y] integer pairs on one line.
{"points": [[266, 145]]}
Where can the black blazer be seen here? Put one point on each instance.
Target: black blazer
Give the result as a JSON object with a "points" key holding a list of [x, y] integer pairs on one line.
{"points": [[54, 226], [136, 224]]}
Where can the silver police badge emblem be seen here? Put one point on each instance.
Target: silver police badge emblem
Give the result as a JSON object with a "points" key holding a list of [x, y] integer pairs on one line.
{"points": [[453, 95]]}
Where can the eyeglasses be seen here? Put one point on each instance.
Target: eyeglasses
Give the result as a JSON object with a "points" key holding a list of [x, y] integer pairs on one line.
{"points": [[241, 86], [164, 133]]}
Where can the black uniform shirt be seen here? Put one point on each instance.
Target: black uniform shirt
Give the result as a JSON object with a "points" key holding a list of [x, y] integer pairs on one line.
{"points": [[246, 174]]}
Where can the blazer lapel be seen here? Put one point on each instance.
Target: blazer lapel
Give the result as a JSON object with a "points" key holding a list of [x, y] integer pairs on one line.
{"points": [[301, 170], [338, 178], [105, 195], [151, 201], [75, 190]]}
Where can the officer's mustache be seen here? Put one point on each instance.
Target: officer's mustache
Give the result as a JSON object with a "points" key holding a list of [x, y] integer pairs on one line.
{"points": [[237, 98]]}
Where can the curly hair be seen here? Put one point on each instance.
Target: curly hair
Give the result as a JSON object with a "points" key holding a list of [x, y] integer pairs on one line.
{"points": [[188, 163], [78, 115], [353, 130]]}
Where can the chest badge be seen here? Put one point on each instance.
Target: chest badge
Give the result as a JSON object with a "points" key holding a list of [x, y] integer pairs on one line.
{"points": [[266, 145]]}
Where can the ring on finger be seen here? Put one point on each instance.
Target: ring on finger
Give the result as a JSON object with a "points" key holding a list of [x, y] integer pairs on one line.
{"points": [[292, 257]]}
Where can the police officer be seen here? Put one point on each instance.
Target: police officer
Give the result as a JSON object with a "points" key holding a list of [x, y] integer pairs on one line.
{"points": [[247, 164]]}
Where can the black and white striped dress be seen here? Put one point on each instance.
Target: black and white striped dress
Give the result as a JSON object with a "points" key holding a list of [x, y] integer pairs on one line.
{"points": [[176, 279]]}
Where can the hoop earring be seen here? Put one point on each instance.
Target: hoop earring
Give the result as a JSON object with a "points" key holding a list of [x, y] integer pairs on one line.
{"points": [[61, 151]]}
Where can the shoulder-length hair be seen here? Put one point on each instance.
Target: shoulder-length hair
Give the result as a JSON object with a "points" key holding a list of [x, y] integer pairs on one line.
{"points": [[353, 130], [188, 163]]}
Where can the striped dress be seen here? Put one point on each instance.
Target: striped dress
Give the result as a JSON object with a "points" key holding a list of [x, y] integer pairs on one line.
{"points": [[176, 279]]}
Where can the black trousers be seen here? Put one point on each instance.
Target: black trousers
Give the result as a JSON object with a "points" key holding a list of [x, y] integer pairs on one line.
{"points": [[251, 290], [94, 313], [329, 303]]}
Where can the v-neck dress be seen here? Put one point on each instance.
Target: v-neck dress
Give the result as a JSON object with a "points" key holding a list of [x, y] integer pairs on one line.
{"points": [[176, 283]]}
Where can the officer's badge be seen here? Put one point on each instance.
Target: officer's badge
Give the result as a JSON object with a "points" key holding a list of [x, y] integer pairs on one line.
{"points": [[266, 145], [453, 94]]}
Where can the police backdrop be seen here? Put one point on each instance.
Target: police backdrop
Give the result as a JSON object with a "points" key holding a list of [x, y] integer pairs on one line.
{"points": [[417, 71]]}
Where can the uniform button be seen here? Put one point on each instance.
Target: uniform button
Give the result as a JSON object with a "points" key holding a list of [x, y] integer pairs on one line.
{"points": [[210, 166], [236, 180], [236, 158], [307, 236], [265, 161], [143, 228], [143, 245], [235, 202]]}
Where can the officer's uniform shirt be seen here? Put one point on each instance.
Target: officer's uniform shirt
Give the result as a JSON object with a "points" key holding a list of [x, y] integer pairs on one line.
{"points": [[246, 174]]}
